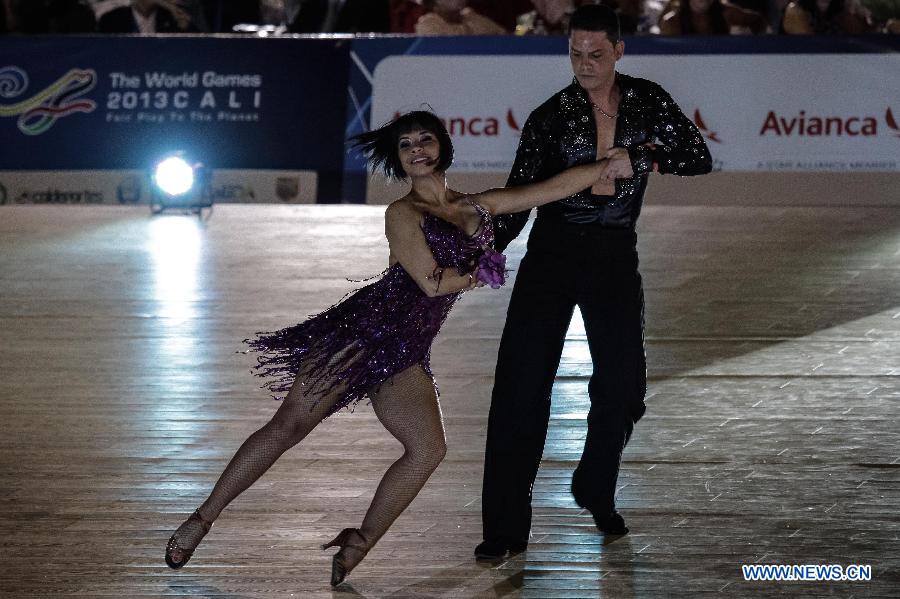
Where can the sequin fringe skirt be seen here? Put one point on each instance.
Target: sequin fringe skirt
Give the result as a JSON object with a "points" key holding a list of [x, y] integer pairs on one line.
{"points": [[357, 344]]}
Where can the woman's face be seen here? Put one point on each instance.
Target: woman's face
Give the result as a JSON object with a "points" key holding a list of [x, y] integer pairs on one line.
{"points": [[419, 151]]}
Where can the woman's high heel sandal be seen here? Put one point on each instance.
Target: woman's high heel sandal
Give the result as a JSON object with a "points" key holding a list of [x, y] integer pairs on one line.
{"points": [[354, 548], [177, 555]]}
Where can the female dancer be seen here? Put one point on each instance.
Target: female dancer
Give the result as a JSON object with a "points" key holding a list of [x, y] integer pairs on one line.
{"points": [[375, 344]]}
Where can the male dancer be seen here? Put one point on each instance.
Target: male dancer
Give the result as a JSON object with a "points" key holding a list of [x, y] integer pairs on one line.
{"points": [[581, 251]]}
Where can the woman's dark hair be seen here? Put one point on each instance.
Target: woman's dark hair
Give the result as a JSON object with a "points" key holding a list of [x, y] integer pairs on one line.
{"points": [[380, 146], [596, 17]]}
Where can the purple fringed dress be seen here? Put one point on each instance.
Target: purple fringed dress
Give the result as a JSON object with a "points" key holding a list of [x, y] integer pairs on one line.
{"points": [[376, 331]]}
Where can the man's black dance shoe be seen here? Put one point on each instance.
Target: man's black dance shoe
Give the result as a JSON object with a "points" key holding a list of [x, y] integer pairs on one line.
{"points": [[607, 519], [610, 523], [494, 550]]}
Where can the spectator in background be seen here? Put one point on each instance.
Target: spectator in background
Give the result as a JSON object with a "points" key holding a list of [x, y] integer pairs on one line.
{"points": [[70, 16], [46, 16], [823, 17], [748, 16], [694, 17], [197, 14], [103, 6], [223, 15], [28, 16], [148, 16], [502, 12], [7, 20], [882, 16], [278, 12], [628, 11], [405, 14], [342, 16], [549, 17], [454, 17]]}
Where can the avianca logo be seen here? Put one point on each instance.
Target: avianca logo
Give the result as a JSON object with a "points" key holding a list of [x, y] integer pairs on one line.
{"points": [[477, 126], [710, 135], [889, 119], [816, 126]]}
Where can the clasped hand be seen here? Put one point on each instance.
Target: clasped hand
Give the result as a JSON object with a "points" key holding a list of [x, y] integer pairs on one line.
{"points": [[616, 165]]}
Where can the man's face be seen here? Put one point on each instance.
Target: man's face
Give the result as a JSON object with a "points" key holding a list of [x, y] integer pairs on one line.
{"points": [[594, 58]]}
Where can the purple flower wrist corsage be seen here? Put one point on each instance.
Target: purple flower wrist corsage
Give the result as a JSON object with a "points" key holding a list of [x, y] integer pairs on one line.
{"points": [[491, 268]]}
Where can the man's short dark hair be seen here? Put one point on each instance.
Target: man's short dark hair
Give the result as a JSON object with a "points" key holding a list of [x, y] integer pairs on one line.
{"points": [[596, 17], [381, 146]]}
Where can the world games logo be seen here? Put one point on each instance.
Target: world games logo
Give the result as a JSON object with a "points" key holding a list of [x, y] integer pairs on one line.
{"points": [[39, 112]]}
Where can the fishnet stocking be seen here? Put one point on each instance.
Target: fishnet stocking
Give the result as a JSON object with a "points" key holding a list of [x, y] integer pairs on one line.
{"points": [[294, 419], [408, 407]]}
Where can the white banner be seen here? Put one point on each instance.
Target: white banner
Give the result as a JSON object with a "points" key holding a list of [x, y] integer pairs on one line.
{"points": [[767, 112], [133, 187]]}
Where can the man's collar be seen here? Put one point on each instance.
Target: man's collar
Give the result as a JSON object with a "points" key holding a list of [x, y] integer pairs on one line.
{"points": [[583, 94]]}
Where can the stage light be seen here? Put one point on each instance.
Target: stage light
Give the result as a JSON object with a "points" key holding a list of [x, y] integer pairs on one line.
{"points": [[174, 176], [178, 183]]}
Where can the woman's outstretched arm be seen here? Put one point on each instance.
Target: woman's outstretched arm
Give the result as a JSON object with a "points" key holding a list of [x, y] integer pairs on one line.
{"points": [[524, 197], [408, 245]]}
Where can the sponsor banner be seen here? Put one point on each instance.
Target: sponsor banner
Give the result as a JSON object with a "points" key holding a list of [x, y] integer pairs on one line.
{"points": [[768, 112], [779, 112], [264, 186], [122, 102], [103, 103], [127, 187], [484, 121]]}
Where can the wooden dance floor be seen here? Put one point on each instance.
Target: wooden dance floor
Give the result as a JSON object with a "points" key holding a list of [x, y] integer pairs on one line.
{"points": [[771, 436]]}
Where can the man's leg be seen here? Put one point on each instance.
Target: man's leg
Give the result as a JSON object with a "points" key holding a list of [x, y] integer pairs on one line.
{"points": [[530, 348], [613, 311]]}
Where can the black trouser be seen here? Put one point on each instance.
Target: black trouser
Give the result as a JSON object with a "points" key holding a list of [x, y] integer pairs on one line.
{"points": [[565, 265]]}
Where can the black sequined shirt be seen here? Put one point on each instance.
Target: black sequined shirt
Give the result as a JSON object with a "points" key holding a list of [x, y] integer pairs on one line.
{"points": [[562, 132]]}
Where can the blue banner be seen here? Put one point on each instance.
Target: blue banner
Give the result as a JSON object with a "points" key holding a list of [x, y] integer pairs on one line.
{"points": [[122, 102]]}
